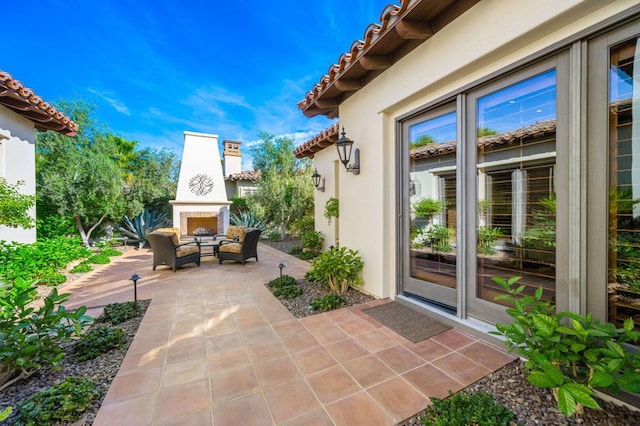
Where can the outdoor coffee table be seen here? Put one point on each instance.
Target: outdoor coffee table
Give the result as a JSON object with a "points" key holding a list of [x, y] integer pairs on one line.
{"points": [[208, 241]]}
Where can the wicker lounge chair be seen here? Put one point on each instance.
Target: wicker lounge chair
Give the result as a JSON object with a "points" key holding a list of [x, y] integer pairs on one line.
{"points": [[243, 250], [167, 250]]}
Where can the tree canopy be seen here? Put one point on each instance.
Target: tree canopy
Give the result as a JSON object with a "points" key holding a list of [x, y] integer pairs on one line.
{"points": [[97, 175], [14, 206]]}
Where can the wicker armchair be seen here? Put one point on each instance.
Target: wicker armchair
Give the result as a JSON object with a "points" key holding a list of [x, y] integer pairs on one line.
{"points": [[240, 251], [167, 250]]}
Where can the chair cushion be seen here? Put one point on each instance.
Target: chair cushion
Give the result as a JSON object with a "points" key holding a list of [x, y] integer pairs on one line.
{"points": [[236, 231], [175, 234], [231, 248], [186, 250]]}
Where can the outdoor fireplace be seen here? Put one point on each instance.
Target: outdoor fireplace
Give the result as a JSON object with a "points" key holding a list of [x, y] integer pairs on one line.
{"points": [[201, 206]]}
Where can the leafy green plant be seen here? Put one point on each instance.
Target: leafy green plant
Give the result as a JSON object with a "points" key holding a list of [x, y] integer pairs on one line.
{"points": [[64, 402], [569, 353], [99, 259], [81, 268], [331, 209], [439, 236], [116, 313], [98, 341], [462, 409], [295, 250], [422, 141], [487, 237], [427, 208], [139, 226], [4, 414], [288, 291], [312, 241], [14, 206], [308, 255], [338, 267], [110, 251], [283, 281], [249, 219], [328, 303], [51, 278], [238, 205], [275, 236], [33, 338]]}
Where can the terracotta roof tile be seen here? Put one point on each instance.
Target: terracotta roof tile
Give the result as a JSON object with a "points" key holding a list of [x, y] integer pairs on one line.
{"points": [[252, 176], [24, 101], [322, 140], [402, 28]]}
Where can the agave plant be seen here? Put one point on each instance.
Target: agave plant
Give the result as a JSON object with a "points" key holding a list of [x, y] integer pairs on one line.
{"points": [[139, 226], [248, 219]]}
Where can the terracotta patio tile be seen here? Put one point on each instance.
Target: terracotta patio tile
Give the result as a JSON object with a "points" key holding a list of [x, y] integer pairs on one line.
{"points": [[398, 398], [182, 399], [346, 350], [374, 340], [259, 335], [313, 360], [453, 339], [275, 372], [316, 321], [247, 411], [486, 355], [332, 384], [461, 368], [133, 384], [248, 312], [230, 384], [432, 382], [147, 344], [358, 409], [142, 360], [183, 372], [255, 321], [400, 359], [317, 417], [231, 358], [290, 400], [189, 349], [299, 341], [368, 370], [356, 326], [329, 334], [266, 351], [137, 411], [341, 315], [288, 327], [199, 418], [215, 326], [428, 349], [223, 342]]}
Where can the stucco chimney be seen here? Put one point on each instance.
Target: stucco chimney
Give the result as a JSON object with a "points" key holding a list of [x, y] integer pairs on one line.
{"points": [[232, 158]]}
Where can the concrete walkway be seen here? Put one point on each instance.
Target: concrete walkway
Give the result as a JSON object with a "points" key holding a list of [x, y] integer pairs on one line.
{"points": [[216, 348]]}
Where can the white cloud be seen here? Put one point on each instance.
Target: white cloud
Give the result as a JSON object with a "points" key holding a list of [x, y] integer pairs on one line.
{"points": [[109, 98]]}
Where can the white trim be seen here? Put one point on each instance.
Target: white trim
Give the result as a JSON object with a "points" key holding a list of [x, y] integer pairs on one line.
{"points": [[534, 157]]}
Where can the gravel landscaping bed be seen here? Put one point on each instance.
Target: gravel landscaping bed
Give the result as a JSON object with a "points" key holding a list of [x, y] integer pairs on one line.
{"points": [[100, 370]]}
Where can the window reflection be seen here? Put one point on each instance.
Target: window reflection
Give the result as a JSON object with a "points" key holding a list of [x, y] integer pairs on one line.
{"points": [[432, 189], [516, 232]]}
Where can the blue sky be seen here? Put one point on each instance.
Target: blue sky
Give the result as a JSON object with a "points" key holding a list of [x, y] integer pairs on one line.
{"points": [[155, 68]]}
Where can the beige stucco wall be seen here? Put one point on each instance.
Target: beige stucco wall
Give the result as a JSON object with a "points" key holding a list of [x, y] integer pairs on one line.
{"points": [[17, 163], [489, 37]]}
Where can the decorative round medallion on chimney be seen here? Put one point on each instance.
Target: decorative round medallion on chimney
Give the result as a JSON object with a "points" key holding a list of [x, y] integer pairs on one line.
{"points": [[201, 184]]}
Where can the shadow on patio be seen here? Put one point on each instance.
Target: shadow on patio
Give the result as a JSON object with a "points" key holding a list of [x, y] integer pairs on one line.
{"points": [[216, 347]]}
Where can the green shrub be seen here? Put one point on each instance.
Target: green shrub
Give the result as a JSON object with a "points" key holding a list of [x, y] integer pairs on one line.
{"points": [[295, 251], [139, 226], [248, 219], [329, 302], [487, 237], [32, 338], [569, 353], [238, 205], [304, 224], [286, 280], [439, 236], [427, 208], [308, 255], [51, 278], [98, 341], [99, 259], [116, 313], [338, 267], [4, 414], [288, 291], [81, 267], [64, 402], [312, 241], [275, 235], [463, 409], [110, 251]]}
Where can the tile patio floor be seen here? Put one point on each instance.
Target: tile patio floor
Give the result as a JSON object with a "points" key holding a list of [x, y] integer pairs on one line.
{"points": [[216, 348]]}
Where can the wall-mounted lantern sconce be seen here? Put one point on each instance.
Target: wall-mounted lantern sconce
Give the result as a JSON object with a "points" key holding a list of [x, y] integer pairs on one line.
{"points": [[318, 181], [345, 145]]}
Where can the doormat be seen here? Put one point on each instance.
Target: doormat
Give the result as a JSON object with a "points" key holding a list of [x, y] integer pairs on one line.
{"points": [[411, 324]]}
